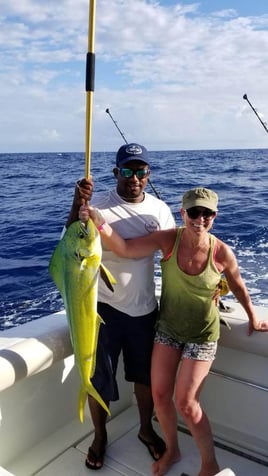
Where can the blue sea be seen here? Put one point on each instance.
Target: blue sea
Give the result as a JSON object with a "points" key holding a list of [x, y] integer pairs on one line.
{"points": [[36, 194]]}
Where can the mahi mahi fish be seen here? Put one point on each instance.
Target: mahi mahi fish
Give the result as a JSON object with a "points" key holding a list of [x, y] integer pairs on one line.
{"points": [[75, 267]]}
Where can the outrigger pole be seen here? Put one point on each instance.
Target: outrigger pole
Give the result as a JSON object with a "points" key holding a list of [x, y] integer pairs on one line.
{"points": [[254, 110], [157, 194], [90, 83]]}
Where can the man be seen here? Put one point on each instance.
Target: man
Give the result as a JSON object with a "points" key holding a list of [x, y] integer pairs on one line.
{"points": [[130, 311]]}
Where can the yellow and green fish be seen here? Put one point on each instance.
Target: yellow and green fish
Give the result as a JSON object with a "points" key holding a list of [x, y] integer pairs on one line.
{"points": [[75, 267]]}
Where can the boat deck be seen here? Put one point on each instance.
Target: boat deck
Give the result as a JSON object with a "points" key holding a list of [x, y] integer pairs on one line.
{"points": [[126, 456], [41, 435]]}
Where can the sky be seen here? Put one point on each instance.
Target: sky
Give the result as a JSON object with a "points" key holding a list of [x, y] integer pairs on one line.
{"points": [[172, 74]]}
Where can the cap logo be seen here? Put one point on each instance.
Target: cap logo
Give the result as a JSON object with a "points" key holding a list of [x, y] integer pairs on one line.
{"points": [[133, 149]]}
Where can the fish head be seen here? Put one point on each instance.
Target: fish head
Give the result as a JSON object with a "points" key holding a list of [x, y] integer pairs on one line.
{"points": [[79, 249], [88, 243]]}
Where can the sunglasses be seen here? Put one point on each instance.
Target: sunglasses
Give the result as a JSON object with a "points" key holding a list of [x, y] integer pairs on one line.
{"points": [[195, 212], [128, 173]]}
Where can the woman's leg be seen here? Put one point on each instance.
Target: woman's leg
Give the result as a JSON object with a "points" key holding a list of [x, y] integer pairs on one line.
{"points": [[165, 361], [190, 380]]}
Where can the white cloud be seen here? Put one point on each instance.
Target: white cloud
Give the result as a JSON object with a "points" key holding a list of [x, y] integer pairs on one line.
{"points": [[172, 76]]}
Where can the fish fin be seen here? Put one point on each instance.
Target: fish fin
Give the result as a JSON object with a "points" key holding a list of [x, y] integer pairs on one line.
{"points": [[107, 277], [55, 267], [101, 320], [81, 403], [90, 390], [57, 261]]}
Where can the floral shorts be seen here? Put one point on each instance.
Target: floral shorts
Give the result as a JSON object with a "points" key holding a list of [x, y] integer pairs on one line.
{"points": [[190, 350]]}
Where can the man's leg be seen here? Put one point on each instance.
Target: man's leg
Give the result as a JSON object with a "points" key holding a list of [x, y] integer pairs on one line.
{"points": [[97, 449], [147, 434], [145, 405], [105, 383]]}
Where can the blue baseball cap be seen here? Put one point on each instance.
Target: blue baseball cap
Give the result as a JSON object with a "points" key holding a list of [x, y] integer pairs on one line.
{"points": [[128, 152]]}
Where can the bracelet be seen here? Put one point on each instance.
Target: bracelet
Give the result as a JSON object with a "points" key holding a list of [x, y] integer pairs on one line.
{"points": [[101, 227]]}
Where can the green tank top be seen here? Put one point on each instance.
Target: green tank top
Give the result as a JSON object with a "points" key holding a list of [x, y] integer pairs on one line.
{"points": [[188, 312]]}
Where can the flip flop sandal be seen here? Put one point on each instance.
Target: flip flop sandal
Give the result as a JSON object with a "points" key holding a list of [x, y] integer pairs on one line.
{"points": [[94, 461], [154, 446]]}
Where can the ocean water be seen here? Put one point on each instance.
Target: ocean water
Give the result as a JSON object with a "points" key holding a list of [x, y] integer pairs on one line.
{"points": [[36, 194]]}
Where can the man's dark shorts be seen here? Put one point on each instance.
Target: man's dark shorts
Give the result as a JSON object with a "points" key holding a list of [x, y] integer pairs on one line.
{"points": [[134, 336]]}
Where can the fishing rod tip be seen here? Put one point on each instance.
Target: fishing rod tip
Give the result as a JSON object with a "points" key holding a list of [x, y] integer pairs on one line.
{"points": [[107, 110], [245, 96]]}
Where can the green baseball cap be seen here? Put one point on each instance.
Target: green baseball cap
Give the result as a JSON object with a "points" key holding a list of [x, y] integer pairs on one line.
{"points": [[200, 197]]}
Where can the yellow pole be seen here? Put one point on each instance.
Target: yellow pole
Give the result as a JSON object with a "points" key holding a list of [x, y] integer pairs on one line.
{"points": [[90, 77]]}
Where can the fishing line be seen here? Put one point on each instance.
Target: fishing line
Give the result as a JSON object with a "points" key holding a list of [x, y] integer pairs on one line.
{"points": [[254, 110], [157, 194]]}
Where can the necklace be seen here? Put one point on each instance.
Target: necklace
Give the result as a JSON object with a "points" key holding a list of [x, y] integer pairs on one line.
{"points": [[194, 254]]}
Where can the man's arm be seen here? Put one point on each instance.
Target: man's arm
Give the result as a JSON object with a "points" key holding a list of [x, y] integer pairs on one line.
{"points": [[82, 194]]}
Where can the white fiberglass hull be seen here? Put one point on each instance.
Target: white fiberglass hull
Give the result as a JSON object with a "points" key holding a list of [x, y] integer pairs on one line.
{"points": [[40, 432]]}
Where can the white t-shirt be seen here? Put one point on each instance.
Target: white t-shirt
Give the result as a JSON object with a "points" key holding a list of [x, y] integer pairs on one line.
{"points": [[134, 292]]}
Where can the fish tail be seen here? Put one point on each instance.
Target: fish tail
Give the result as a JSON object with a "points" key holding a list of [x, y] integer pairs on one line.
{"points": [[90, 390], [81, 403]]}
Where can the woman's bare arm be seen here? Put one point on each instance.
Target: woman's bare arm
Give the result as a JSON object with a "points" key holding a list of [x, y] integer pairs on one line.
{"points": [[132, 248], [228, 262]]}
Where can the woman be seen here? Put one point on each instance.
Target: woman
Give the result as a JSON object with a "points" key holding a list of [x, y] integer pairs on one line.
{"points": [[188, 327]]}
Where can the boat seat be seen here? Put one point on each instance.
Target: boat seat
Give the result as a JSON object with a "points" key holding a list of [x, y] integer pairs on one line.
{"points": [[33, 347], [237, 338]]}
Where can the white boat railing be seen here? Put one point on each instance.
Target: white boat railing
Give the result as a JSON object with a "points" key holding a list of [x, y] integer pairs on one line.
{"points": [[39, 391]]}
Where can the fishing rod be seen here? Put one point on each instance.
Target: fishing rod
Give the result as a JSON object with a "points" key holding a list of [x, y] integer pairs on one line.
{"points": [[115, 123], [90, 83], [157, 194], [254, 110]]}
